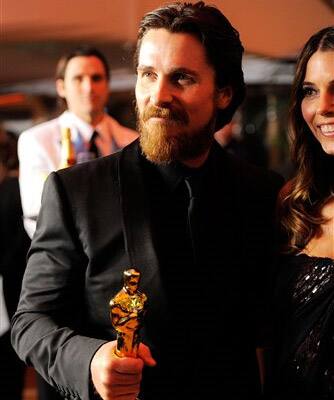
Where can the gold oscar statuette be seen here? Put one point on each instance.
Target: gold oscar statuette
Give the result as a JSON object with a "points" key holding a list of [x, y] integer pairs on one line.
{"points": [[68, 156], [127, 310]]}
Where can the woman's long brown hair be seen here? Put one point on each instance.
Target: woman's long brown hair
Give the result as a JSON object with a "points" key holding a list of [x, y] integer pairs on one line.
{"points": [[302, 198]]}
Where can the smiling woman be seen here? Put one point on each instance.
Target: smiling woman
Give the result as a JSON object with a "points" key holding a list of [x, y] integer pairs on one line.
{"points": [[304, 352], [318, 101], [311, 128]]}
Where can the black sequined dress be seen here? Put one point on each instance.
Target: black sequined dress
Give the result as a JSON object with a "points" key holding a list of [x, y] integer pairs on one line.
{"points": [[304, 350]]}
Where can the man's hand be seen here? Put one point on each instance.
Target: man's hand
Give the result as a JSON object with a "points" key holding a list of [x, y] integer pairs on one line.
{"points": [[118, 378]]}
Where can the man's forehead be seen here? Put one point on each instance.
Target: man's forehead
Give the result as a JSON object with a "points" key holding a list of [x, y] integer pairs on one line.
{"points": [[91, 64], [178, 50], [161, 37]]}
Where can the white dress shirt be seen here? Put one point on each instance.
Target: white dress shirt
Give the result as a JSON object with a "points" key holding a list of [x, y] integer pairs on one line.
{"points": [[39, 151]]}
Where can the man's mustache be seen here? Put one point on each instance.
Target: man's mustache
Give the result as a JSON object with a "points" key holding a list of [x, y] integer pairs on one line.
{"points": [[171, 114]]}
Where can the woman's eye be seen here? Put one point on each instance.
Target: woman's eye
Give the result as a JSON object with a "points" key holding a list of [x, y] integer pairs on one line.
{"points": [[308, 91]]}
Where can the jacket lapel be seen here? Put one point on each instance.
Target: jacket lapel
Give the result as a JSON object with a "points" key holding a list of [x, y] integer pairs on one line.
{"points": [[136, 219]]}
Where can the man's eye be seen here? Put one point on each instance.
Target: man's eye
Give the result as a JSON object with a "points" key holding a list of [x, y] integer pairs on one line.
{"points": [[97, 78], [183, 79], [147, 74]]}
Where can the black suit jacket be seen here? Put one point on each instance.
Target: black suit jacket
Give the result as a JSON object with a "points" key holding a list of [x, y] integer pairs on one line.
{"points": [[94, 223]]}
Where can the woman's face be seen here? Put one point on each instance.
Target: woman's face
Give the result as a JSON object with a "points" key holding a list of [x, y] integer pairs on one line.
{"points": [[318, 98]]}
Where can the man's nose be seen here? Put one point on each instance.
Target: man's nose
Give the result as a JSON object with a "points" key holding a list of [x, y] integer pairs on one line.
{"points": [[326, 103], [161, 92], [87, 84]]}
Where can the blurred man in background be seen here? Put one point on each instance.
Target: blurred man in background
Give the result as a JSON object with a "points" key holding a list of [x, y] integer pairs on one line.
{"points": [[82, 83]]}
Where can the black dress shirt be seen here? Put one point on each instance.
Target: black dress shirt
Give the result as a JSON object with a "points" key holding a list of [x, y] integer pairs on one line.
{"points": [[200, 343]]}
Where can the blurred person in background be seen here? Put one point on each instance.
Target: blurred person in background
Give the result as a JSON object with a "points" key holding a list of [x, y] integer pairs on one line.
{"points": [[82, 83], [242, 144], [304, 345], [14, 245]]}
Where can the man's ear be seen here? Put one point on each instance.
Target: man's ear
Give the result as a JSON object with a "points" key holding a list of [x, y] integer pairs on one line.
{"points": [[224, 97], [60, 87]]}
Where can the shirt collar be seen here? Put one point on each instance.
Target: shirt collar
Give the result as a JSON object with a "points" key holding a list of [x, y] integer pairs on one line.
{"points": [[175, 172], [78, 125]]}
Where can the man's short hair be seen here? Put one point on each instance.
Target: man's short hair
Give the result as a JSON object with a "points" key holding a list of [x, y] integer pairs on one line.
{"points": [[221, 42], [82, 51]]}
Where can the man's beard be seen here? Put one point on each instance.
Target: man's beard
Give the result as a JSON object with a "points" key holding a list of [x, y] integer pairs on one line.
{"points": [[170, 141]]}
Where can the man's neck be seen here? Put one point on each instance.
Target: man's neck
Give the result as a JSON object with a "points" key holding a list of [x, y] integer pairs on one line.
{"points": [[91, 119], [196, 162], [95, 120]]}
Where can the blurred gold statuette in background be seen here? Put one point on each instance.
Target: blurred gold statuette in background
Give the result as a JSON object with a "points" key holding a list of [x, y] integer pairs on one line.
{"points": [[68, 156]]}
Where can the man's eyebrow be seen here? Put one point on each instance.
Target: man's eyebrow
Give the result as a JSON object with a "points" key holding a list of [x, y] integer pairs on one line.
{"points": [[183, 70], [76, 76], [177, 70], [142, 67]]}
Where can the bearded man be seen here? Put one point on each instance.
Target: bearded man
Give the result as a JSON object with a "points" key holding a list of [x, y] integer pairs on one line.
{"points": [[194, 220]]}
